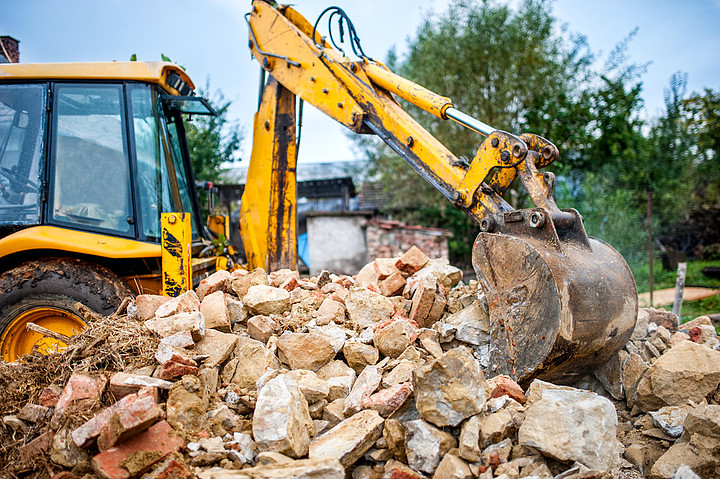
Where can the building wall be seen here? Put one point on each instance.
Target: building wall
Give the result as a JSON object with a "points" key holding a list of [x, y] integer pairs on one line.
{"points": [[337, 243], [388, 239], [10, 45]]}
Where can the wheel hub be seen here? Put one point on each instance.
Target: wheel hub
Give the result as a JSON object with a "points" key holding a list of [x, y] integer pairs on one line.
{"points": [[17, 341]]}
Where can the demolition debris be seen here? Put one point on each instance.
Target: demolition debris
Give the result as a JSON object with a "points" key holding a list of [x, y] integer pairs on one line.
{"points": [[380, 375]]}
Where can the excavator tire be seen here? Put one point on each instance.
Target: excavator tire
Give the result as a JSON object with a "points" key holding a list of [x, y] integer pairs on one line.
{"points": [[44, 292]]}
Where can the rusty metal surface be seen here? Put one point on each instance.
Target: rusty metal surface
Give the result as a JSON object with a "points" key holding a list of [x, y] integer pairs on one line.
{"points": [[558, 307]]}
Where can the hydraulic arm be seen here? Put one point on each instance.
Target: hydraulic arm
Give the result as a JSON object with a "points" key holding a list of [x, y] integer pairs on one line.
{"points": [[560, 302]]}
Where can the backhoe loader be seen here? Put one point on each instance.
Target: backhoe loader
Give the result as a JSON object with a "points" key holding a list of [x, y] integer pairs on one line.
{"points": [[560, 302], [91, 154]]}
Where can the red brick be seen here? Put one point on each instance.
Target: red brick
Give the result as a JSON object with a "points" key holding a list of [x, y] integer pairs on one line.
{"points": [[502, 385], [290, 284], [218, 281], [122, 384], [135, 456], [392, 285], [80, 388], [398, 470], [412, 261], [170, 469], [386, 401], [85, 435], [172, 370], [38, 446], [385, 267], [49, 396], [261, 327], [128, 421]]}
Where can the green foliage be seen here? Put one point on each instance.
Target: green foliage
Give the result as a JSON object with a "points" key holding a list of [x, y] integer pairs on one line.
{"points": [[213, 141], [666, 279], [512, 69], [508, 68]]}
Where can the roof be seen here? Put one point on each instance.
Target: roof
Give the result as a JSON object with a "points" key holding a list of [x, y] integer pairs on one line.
{"points": [[155, 72], [307, 171], [391, 225]]}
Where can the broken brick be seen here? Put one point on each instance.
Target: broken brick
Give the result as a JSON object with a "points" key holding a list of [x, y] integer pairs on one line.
{"points": [[147, 304], [87, 433], [122, 384], [218, 281], [385, 267], [128, 421], [392, 285], [181, 339], [79, 389], [428, 302], [170, 469], [33, 413], [173, 370], [169, 325], [331, 311], [39, 445], [167, 353], [135, 456], [50, 395], [412, 261], [502, 385], [386, 401], [188, 302], [262, 327]]}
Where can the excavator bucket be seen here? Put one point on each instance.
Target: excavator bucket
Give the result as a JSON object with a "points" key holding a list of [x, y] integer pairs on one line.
{"points": [[560, 303]]}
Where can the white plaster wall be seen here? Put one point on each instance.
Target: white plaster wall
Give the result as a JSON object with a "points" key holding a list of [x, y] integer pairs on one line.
{"points": [[337, 244]]}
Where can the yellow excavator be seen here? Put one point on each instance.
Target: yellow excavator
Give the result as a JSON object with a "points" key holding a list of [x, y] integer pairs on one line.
{"points": [[560, 302]]}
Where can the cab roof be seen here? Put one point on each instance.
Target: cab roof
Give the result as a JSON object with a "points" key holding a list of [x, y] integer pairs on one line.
{"points": [[154, 72]]}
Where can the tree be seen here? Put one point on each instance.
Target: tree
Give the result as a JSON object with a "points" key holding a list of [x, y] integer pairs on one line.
{"points": [[213, 141], [508, 68]]}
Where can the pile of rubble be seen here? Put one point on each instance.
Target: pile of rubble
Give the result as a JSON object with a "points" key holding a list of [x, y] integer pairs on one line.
{"points": [[380, 375]]}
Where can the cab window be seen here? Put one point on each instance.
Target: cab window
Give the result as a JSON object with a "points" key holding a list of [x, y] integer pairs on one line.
{"points": [[90, 165], [156, 192]]}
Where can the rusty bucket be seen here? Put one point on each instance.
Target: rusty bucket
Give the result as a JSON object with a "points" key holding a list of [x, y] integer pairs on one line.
{"points": [[560, 303]]}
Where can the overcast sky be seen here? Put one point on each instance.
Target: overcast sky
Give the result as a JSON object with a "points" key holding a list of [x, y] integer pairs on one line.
{"points": [[210, 39]]}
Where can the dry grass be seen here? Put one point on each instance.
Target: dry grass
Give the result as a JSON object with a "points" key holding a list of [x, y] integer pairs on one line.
{"points": [[108, 344]]}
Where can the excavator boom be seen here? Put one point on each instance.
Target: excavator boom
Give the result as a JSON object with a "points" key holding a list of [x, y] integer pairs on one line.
{"points": [[560, 302]]}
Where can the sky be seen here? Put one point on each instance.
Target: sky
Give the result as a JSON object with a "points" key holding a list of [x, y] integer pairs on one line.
{"points": [[209, 38]]}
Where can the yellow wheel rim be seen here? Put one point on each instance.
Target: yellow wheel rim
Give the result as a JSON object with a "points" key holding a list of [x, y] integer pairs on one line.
{"points": [[17, 341]]}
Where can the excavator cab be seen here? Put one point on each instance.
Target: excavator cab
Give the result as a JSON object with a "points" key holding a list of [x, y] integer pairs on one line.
{"points": [[91, 155]]}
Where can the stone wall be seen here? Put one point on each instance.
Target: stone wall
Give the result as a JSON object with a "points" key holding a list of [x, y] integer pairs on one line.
{"points": [[387, 239]]}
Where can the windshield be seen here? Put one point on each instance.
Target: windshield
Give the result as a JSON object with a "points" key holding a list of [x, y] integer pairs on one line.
{"points": [[22, 126]]}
